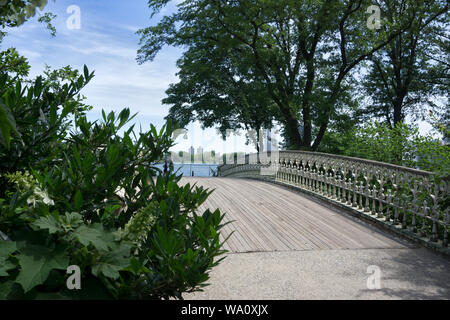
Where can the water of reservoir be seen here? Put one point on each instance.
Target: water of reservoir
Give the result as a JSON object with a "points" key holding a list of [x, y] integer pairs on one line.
{"points": [[193, 169]]}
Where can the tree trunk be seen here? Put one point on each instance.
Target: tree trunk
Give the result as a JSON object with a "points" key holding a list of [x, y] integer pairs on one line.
{"points": [[295, 140], [398, 105]]}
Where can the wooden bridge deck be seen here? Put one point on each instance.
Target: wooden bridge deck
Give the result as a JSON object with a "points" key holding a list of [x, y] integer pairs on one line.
{"points": [[268, 217]]}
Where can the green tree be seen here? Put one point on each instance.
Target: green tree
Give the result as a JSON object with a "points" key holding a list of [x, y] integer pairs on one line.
{"points": [[301, 52], [408, 73], [214, 93], [401, 145], [13, 65], [14, 13]]}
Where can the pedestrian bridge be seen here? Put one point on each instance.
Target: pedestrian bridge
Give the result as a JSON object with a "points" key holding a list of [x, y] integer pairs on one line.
{"points": [[408, 202], [268, 217], [307, 225]]}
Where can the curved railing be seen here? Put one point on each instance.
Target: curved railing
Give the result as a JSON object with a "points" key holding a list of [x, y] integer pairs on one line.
{"points": [[405, 199]]}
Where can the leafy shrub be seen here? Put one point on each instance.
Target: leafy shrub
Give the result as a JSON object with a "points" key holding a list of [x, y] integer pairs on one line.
{"points": [[82, 194], [402, 145], [381, 143]]}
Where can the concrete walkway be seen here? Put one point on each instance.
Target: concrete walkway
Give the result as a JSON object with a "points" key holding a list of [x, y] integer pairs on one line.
{"points": [[329, 274]]}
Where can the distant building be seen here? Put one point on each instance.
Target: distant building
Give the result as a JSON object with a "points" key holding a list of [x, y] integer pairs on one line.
{"points": [[200, 150], [191, 151]]}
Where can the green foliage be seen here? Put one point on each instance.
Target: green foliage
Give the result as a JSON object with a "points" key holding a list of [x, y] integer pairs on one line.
{"points": [[47, 18], [209, 92], [41, 115], [12, 68], [26, 183], [379, 142], [14, 13], [407, 77], [36, 262], [7, 125], [13, 65], [433, 156], [298, 54], [76, 192], [134, 233], [137, 229], [402, 145]]}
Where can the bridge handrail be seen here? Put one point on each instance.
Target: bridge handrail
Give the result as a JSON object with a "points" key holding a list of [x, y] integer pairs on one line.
{"points": [[408, 199]]}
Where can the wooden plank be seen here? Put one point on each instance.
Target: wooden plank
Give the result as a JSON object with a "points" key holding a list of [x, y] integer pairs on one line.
{"points": [[271, 218]]}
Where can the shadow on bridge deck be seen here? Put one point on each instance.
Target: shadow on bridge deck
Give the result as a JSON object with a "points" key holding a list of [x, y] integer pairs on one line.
{"points": [[296, 248]]}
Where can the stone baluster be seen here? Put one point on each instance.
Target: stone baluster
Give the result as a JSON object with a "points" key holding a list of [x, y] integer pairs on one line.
{"points": [[339, 184], [300, 175], [367, 196], [381, 195], [423, 229], [308, 176], [446, 227], [396, 203], [414, 206], [295, 172], [388, 205], [405, 206], [354, 190], [360, 194], [435, 214], [329, 185]]}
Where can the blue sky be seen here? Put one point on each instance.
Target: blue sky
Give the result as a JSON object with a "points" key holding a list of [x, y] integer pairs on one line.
{"points": [[106, 42]]}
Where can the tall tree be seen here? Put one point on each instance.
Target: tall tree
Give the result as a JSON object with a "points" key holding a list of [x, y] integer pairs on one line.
{"points": [[408, 74], [216, 93], [301, 52], [14, 13]]}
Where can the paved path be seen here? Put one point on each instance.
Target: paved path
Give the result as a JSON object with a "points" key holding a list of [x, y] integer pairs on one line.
{"points": [[287, 246]]}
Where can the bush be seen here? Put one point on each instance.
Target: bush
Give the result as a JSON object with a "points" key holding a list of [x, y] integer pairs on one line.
{"points": [[81, 194], [402, 145]]}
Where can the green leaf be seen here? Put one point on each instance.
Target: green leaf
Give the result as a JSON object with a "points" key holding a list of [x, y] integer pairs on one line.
{"points": [[5, 289], [111, 263], [48, 222], [71, 220], [137, 267], [7, 124], [5, 265], [37, 262], [86, 72], [95, 235], [7, 247], [38, 86], [78, 201]]}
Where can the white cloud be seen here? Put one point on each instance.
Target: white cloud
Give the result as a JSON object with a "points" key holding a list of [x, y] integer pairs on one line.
{"points": [[30, 54], [130, 28]]}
